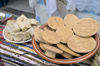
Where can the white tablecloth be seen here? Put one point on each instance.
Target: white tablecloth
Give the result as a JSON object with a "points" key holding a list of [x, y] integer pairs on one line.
{"points": [[88, 5], [80, 5]]}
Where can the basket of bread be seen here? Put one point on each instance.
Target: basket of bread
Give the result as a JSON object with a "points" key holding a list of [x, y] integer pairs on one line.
{"points": [[20, 30], [66, 41]]}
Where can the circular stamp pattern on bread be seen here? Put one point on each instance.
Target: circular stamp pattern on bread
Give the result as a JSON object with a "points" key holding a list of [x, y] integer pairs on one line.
{"points": [[70, 19], [50, 37], [37, 34], [81, 44], [65, 33], [55, 22], [86, 27]]}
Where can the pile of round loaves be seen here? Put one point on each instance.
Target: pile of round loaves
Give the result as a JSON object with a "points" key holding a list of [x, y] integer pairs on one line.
{"points": [[70, 37], [20, 29]]}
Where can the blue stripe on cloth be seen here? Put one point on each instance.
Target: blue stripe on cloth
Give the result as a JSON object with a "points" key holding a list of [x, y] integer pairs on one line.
{"points": [[26, 45], [14, 60], [10, 63], [10, 44], [20, 48]]}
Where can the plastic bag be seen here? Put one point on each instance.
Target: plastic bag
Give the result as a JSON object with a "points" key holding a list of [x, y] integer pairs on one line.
{"points": [[32, 3]]}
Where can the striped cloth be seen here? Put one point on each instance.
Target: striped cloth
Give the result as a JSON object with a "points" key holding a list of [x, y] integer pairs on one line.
{"points": [[22, 54], [1, 39]]}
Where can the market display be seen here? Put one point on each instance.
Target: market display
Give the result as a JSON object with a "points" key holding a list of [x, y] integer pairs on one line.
{"points": [[69, 38], [21, 29]]}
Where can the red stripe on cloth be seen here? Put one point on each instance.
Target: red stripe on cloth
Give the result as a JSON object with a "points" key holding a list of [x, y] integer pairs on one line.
{"points": [[1, 29], [1, 37], [2, 26], [1, 42], [10, 19], [1, 32], [4, 22]]}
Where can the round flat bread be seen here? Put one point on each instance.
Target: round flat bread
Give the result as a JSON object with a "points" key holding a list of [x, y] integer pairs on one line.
{"points": [[41, 46], [47, 28], [51, 48], [86, 27], [36, 39], [81, 45], [37, 34], [65, 33], [70, 19], [67, 55], [50, 37], [66, 49], [55, 22]]}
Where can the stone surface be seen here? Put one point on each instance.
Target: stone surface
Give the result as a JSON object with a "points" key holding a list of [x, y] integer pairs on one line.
{"points": [[17, 12]]}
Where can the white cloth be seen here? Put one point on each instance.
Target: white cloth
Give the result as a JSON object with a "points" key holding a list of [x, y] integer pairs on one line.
{"points": [[59, 8], [51, 6], [71, 5], [32, 3], [42, 13], [88, 5]]}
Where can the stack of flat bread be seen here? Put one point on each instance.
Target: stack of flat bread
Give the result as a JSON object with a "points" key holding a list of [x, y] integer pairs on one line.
{"points": [[71, 35]]}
